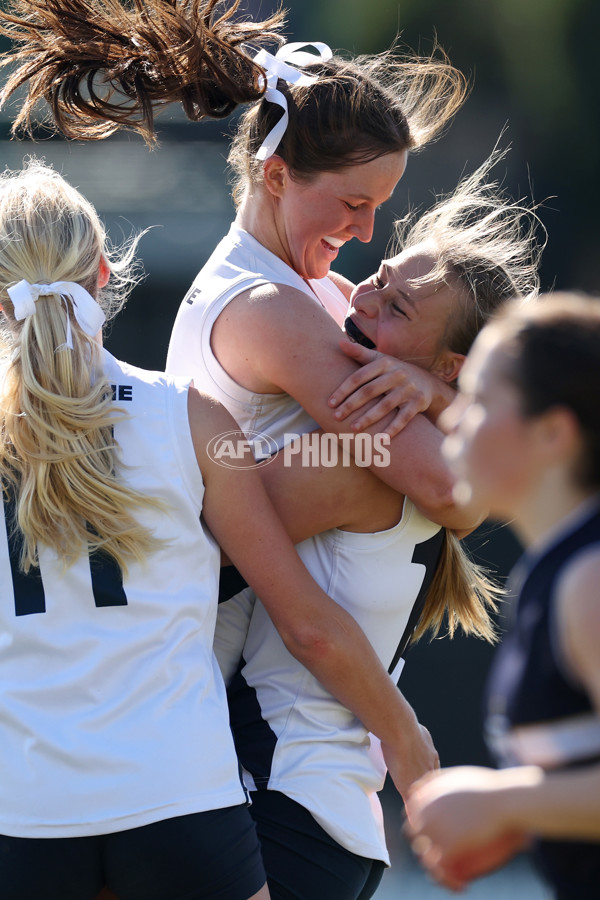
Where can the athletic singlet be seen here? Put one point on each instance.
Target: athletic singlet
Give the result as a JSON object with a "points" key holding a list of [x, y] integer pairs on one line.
{"points": [[349, 809], [538, 713], [291, 734], [239, 263], [113, 712]]}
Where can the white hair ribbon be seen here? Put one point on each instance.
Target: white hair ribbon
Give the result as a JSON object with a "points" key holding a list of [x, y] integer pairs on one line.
{"points": [[280, 66], [88, 313]]}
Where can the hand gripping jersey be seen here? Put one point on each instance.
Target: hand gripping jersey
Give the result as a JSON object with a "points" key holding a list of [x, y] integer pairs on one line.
{"points": [[291, 734], [113, 712], [539, 714]]}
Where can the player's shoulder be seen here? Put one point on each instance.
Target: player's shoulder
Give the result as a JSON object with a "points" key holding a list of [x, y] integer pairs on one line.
{"points": [[577, 585], [207, 416], [270, 309], [273, 291]]}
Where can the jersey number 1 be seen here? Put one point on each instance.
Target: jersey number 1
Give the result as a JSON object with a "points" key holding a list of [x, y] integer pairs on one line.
{"points": [[30, 597]]}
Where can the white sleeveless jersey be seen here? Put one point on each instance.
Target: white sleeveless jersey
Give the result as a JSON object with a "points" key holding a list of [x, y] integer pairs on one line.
{"points": [[298, 739], [112, 707], [302, 741], [239, 263]]}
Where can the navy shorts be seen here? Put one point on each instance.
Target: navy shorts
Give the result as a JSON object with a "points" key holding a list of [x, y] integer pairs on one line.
{"points": [[212, 855], [302, 861]]}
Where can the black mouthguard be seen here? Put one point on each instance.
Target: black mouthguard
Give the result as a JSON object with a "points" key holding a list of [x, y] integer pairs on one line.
{"points": [[356, 334]]}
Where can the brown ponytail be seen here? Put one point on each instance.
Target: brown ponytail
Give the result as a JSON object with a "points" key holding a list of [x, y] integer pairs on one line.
{"points": [[102, 65]]}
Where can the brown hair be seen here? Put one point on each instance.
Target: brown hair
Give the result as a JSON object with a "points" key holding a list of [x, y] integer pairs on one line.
{"points": [[106, 64], [554, 360], [356, 111]]}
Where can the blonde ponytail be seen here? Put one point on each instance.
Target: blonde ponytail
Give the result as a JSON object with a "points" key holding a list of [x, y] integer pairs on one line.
{"points": [[58, 458], [462, 593]]}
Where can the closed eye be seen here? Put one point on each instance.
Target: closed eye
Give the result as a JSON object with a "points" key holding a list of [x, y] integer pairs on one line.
{"points": [[378, 283], [350, 206]]}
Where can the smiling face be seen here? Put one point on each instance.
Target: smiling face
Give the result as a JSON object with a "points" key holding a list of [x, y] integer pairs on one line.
{"points": [[314, 218], [405, 320]]}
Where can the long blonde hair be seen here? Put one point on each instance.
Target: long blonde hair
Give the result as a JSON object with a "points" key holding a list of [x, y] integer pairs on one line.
{"points": [[487, 246], [58, 457], [483, 242], [462, 594]]}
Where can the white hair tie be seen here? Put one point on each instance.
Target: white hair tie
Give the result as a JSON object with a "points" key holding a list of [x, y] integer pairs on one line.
{"points": [[279, 66], [88, 313]]}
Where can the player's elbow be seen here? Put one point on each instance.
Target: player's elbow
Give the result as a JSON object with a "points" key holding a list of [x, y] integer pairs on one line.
{"points": [[437, 503], [313, 644], [434, 499]]}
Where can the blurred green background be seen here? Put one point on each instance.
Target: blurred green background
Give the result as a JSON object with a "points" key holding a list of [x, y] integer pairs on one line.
{"points": [[533, 69]]}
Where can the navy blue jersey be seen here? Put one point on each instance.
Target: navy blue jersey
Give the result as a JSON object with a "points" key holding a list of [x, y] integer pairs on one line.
{"points": [[538, 713]]}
